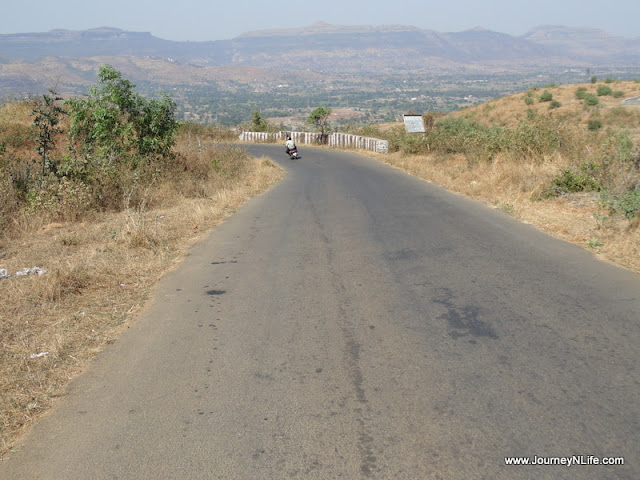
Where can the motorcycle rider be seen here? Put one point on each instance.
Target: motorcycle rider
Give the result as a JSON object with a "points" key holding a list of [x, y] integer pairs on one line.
{"points": [[290, 144]]}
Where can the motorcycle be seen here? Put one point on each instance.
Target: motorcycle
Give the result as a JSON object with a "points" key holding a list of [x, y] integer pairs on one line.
{"points": [[293, 154]]}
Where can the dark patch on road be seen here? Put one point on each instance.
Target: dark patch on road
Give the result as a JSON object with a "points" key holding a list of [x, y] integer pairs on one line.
{"points": [[354, 353], [216, 292], [463, 320]]}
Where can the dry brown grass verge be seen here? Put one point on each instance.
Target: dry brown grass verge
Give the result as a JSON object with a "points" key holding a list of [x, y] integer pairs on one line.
{"points": [[576, 218], [99, 274]]}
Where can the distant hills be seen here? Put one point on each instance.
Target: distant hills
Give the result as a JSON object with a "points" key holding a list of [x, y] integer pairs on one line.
{"points": [[31, 60]]}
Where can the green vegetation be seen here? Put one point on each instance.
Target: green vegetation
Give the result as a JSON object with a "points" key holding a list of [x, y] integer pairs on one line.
{"points": [[546, 97], [572, 181], [604, 90], [591, 100], [319, 119], [261, 124], [594, 124], [47, 118], [626, 203], [97, 153]]}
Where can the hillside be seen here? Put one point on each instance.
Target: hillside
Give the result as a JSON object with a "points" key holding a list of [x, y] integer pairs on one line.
{"points": [[338, 48], [330, 49], [611, 111]]}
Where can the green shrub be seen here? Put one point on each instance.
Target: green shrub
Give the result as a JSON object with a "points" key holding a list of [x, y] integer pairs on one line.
{"points": [[546, 97], [555, 104], [591, 100], [626, 204], [604, 90], [594, 79], [617, 94], [528, 100], [534, 137], [414, 144], [463, 135], [581, 92], [114, 124], [594, 124], [572, 181]]}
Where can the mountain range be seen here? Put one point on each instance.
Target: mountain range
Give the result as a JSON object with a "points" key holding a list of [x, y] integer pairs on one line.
{"points": [[29, 60]]}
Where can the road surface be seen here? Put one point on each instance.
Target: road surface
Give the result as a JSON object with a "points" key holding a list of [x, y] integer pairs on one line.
{"points": [[355, 322]]}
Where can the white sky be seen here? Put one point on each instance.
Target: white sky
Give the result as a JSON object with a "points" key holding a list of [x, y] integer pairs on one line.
{"points": [[224, 19]]}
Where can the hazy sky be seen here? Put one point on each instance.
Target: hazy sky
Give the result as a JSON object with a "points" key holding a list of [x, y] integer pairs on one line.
{"points": [[224, 19]]}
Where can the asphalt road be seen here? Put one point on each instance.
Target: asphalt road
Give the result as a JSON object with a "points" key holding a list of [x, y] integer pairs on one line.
{"points": [[354, 322]]}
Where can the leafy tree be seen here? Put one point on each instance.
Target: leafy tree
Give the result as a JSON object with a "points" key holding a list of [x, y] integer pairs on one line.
{"points": [[155, 126], [114, 124], [47, 117], [258, 122], [319, 119]]}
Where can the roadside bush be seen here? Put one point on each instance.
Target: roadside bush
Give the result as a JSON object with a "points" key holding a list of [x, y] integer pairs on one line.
{"points": [[119, 141], [115, 145], [61, 199], [626, 204], [554, 104], [414, 144], [573, 181], [463, 135], [535, 137], [116, 125]]}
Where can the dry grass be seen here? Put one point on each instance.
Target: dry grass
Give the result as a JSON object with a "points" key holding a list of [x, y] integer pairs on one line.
{"points": [[100, 271]]}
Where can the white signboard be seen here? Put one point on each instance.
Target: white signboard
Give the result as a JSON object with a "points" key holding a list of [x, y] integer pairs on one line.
{"points": [[414, 124]]}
